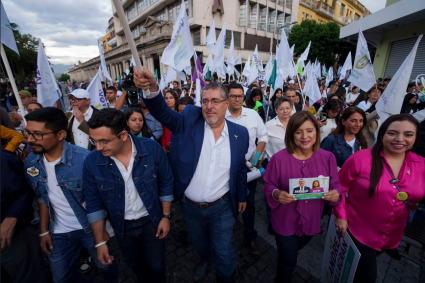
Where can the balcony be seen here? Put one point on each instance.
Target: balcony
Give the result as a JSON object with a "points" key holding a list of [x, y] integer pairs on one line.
{"points": [[346, 20], [112, 42], [308, 3], [324, 9]]}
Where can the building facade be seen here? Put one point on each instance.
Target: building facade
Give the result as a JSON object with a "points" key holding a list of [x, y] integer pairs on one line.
{"points": [[343, 12]]}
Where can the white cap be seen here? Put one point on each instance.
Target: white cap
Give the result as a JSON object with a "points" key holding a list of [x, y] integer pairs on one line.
{"points": [[80, 93], [291, 82]]}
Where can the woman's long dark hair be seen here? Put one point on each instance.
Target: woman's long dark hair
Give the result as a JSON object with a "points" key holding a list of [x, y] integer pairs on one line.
{"points": [[176, 99], [333, 104], [146, 133], [274, 98], [340, 128], [250, 103], [377, 164]]}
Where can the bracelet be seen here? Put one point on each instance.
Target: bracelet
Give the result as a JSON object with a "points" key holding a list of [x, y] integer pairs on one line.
{"points": [[273, 195], [41, 235], [100, 244]]}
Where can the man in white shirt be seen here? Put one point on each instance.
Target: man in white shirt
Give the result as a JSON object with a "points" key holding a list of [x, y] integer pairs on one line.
{"points": [[78, 130], [111, 96], [373, 96], [249, 119]]}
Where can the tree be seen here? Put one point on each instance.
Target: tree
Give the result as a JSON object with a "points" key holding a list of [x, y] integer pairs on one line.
{"points": [[24, 65], [64, 78], [325, 43]]}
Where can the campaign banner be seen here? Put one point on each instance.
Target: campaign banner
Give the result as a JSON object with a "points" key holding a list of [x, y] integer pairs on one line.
{"points": [[340, 258], [309, 188]]}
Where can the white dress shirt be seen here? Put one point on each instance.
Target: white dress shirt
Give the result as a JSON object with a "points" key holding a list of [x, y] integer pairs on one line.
{"points": [[134, 207], [212, 174], [364, 105], [250, 119], [276, 132], [81, 138]]}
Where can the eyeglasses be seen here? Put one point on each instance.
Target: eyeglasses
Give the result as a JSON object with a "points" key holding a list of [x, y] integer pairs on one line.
{"points": [[103, 143], [77, 99], [236, 97], [38, 136], [214, 102]]}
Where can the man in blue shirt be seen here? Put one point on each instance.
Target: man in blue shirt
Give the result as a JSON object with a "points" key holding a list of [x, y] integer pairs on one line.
{"points": [[54, 171], [129, 180]]}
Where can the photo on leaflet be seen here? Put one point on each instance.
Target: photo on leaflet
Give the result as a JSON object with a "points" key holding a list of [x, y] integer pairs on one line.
{"points": [[309, 188]]}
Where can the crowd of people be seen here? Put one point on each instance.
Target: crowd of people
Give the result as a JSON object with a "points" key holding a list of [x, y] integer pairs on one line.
{"points": [[74, 178]]}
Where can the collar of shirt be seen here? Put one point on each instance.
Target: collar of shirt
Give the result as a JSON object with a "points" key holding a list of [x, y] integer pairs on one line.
{"points": [[224, 133], [133, 155], [277, 122], [243, 113], [293, 111], [89, 112]]}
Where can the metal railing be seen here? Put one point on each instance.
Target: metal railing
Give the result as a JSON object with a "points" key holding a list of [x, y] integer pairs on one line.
{"points": [[324, 8]]}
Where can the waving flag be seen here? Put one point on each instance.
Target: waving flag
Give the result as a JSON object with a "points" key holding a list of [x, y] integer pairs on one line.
{"points": [[7, 37], [246, 69], [47, 88], [179, 51], [284, 64], [104, 70], [219, 51], [230, 58], [97, 99], [348, 65], [238, 60], [253, 71], [211, 40], [197, 74], [303, 57], [329, 76]]}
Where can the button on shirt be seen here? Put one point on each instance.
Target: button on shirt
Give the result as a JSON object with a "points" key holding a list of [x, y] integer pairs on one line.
{"points": [[81, 138], [379, 221], [134, 207], [211, 178], [254, 124], [276, 132]]}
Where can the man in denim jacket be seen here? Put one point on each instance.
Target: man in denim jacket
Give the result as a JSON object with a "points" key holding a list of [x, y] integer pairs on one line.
{"points": [[54, 170], [129, 180]]}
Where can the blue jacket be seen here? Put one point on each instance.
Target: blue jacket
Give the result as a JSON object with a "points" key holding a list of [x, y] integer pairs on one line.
{"points": [[339, 147], [186, 143], [105, 188], [69, 174]]}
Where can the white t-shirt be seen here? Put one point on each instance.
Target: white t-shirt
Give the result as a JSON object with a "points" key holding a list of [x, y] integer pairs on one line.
{"points": [[351, 143], [64, 218]]}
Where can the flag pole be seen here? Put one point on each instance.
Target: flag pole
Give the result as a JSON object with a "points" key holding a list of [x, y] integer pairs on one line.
{"points": [[13, 83], [130, 40]]}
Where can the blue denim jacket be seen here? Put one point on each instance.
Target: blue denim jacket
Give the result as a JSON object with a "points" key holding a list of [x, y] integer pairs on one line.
{"points": [[105, 188], [69, 174], [339, 147]]}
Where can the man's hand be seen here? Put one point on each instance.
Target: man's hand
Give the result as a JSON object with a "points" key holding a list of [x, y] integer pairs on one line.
{"points": [[78, 114], [15, 115], [331, 196], [7, 228], [283, 197], [163, 228], [103, 255], [341, 226], [46, 244], [241, 207], [146, 80]]}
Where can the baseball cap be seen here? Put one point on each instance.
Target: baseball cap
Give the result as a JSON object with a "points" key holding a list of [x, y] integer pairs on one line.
{"points": [[291, 82], [80, 93], [25, 93]]}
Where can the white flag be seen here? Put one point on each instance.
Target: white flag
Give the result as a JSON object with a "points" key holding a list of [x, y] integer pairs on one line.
{"points": [[246, 70], [238, 75], [312, 88], [330, 75], [362, 74], [292, 49], [219, 49], [163, 82], [348, 65], [207, 64], [179, 51], [97, 99], [171, 74], [47, 88], [303, 57], [103, 64], [7, 37], [231, 55], [253, 70], [211, 39], [284, 58], [317, 70], [392, 99], [269, 68], [238, 60]]}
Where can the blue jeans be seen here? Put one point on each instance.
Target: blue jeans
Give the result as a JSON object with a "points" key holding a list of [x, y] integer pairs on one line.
{"points": [[249, 214], [67, 249], [142, 250], [287, 255], [211, 232]]}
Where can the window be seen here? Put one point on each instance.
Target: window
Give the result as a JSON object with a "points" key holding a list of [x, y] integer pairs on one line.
{"points": [[134, 33], [253, 16], [170, 15], [131, 12], [342, 10], [236, 38], [356, 17], [161, 15], [142, 5], [302, 18], [242, 14], [272, 20], [263, 18], [142, 29], [154, 1], [197, 37]]}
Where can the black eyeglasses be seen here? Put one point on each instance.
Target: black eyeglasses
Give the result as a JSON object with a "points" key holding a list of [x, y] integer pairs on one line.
{"points": [[103, 143], [77, 99], [38, 136]]}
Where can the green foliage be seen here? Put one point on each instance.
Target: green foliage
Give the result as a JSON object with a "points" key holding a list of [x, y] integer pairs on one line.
{"points": [[325, 42], [23, 67], [64, 78]]}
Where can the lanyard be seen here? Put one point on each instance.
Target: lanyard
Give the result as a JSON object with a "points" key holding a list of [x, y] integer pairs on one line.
{"points": [[395, 181]]}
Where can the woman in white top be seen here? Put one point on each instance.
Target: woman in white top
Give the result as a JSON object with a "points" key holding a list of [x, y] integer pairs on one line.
{"points": [[352, 96], [332, 109], [373, 95]]}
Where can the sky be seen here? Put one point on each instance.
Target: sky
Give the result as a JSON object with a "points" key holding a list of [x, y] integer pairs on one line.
{"points": [[69, 29]]}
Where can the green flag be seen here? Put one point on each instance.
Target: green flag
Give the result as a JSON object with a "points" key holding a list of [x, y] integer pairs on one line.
{"points": [[208, 77], [272, 78], [156, 74]]}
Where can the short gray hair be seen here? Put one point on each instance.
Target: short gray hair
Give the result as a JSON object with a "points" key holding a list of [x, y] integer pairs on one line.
{"points": [[214, 86]]}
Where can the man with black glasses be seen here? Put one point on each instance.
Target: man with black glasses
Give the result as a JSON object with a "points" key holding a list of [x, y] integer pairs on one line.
{"points": [[78, 130], [54, 171]]}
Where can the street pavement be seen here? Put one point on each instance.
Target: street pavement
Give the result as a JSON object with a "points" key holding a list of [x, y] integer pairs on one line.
{"points": [[181, 257]]}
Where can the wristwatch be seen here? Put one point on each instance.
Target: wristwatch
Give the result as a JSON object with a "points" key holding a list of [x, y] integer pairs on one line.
{"points": [[166, 216]]}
